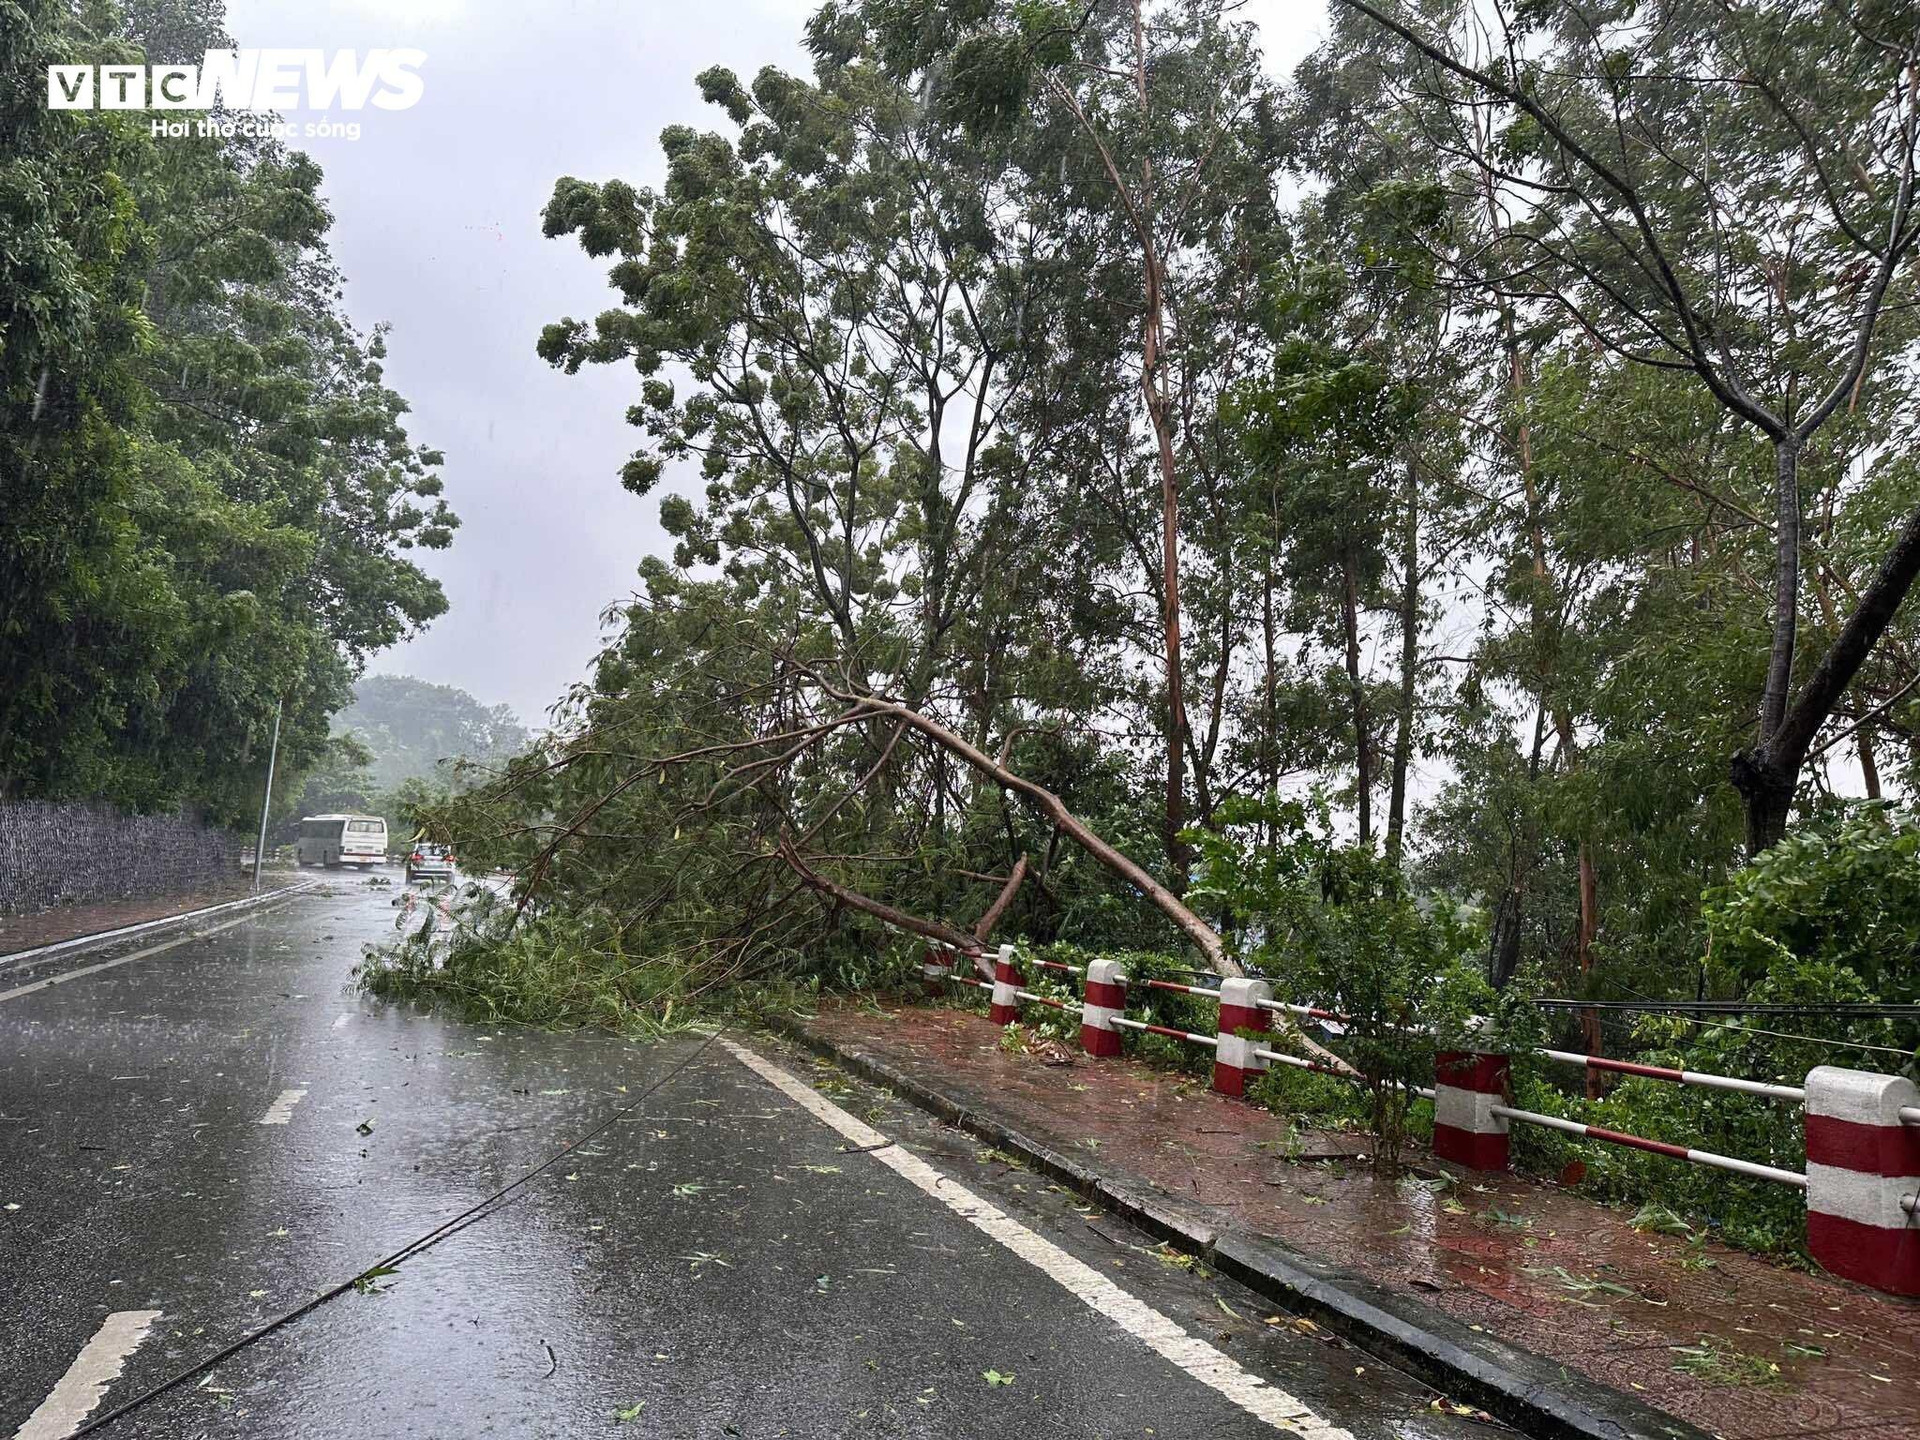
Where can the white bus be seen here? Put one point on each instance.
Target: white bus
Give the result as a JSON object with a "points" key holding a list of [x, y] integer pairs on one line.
{"points": [[343, 840]]}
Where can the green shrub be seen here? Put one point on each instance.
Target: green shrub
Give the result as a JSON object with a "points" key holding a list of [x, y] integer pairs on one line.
{"points": [[1338, 927], [1844, 891]]}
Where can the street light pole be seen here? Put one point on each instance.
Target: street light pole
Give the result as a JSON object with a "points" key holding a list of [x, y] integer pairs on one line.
{"points": [[273, 754]]}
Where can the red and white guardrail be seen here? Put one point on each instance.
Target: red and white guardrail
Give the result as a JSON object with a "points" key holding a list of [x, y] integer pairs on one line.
{"points": [[1677, 1077], [1862, 1180]]}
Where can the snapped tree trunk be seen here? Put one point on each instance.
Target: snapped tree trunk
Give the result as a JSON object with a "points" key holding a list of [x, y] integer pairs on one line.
{"points": [[984, 926], [1202, 935]]}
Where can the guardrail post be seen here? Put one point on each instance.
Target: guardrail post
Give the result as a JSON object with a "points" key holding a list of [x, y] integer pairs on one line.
{"points": [[933, 974], [1467, 1084], [1236, 1058], [1005, 1008], [1862, 1163], [1106, 997]]}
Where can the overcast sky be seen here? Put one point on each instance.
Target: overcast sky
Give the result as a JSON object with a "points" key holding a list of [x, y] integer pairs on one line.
{"points": [[437, 228]]}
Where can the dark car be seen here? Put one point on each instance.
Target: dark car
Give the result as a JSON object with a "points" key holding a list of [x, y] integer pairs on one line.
{"points": [[430, 862]]}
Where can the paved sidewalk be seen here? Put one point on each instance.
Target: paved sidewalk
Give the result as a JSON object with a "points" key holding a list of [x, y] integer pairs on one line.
{"points": [[1694, 1330], [68, 922]]}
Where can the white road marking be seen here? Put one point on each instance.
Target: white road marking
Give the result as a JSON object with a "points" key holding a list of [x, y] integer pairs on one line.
{"points": [[99, 937], [64, 976], [1199, 1359], [96, 1366], [281, 1111]]}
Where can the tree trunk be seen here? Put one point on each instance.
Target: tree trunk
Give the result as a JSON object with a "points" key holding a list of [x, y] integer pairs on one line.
{"points": [[1786, 586], [1589, 921], [1764, 775], [1503, 943], [1153, 341], [1270, 708], [1869, 764], [1270, 688], [1139, 206], [1362, 749], [1589, 927], [1768, 798], [1409, 665], [1177, 858]]}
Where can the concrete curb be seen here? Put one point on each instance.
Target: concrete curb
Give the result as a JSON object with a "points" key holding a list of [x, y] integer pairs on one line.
{"points": [[83, 943], [1533, 1394]]}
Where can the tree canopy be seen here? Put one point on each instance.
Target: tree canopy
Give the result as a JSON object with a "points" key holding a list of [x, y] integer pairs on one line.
{"points": [[1078, 441], [209, 501]]}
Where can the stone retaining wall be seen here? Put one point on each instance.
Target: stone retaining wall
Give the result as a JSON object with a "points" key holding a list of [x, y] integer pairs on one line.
{"points": [[75, 854]]}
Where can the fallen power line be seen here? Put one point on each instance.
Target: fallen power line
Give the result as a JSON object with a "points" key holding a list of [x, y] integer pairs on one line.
{"points": [[493, 1204]]}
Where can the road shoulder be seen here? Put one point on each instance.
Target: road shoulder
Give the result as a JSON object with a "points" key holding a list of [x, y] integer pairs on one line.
{"points": [[1160, 1164], [33, 940]]}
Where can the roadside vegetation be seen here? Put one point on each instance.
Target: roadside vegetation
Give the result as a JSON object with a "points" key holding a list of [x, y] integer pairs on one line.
{"points": [[208, 496], [1433, 528], [400, 749]]}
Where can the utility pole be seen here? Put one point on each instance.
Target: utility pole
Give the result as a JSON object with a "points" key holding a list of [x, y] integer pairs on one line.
{"points": [[273, 754]]}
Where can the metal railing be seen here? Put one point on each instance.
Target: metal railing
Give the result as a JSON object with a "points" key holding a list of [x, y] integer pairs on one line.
{"points": [[1677, 1077], [1168, 1031], [1749, 1168], [1732, 1164]]}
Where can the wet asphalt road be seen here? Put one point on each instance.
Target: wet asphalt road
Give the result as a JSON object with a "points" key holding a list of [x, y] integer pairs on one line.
{"points": [[714, 1263]]}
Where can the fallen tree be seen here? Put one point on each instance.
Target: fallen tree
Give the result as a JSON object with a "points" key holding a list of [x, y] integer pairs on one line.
{"points": [[698, 814], [1204, 936]]}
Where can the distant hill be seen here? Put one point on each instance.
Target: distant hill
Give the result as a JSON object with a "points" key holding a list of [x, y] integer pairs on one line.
{"points": [[410, 726]]}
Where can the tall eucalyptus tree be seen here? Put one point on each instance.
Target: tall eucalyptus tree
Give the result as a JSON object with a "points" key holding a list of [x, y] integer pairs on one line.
{"points": [[1724, 190]]}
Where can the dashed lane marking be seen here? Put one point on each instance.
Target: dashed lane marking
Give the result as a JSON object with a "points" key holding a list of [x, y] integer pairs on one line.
{"points": [[281, 1111], [1209, 1366], [96, 1366]]}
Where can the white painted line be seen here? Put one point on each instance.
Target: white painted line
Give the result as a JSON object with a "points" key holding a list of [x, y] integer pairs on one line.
{"points": [[65, 975], [101, 936], [281, 1111], [1199, 1359], [97, 1366]]}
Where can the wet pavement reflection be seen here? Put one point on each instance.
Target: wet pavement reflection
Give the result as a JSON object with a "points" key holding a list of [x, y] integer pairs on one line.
{"points": [[222, 1130]]}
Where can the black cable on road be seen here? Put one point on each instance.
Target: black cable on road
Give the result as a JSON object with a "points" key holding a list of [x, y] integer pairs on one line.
{"points": [[469, 1216]]}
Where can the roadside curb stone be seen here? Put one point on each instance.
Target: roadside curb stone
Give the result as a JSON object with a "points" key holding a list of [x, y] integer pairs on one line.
{"points": [[87, 930], [1534, 1394]]}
